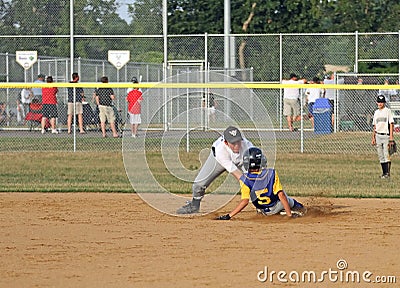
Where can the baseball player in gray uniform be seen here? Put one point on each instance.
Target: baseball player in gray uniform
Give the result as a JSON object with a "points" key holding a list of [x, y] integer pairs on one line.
{"points": [[226, 155], [383, 133]]}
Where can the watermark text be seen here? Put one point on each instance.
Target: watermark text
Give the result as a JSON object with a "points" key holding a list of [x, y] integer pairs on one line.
{"points": [[340, 274]]}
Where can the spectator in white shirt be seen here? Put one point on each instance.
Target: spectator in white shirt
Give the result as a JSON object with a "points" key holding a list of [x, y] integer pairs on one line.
{"points": [[313, 94], [291, 101]]}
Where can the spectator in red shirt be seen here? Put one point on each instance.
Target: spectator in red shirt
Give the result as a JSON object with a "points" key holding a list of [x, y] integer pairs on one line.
{"points": [[134, 99], [49, 110]]}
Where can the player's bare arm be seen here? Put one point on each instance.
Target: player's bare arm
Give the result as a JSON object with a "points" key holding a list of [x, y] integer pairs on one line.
{"points": [[391, 126], [242, 204], [373, 141], [237, 174], [285, 203]]}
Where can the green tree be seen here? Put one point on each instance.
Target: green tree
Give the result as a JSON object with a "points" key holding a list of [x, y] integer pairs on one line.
{"points": [[51, 17], [146, 17], [299, 16], [362, 16], [99, 17], [32, 17], [146, 20], [195, 16]]}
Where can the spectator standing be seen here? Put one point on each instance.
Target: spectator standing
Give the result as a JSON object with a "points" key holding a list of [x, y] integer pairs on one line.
{"points": [[37, 92], [291, 101], [49, 102], [79, 94], [104, 99], [134, 99], [26, 97], [23, 102], [313, 94], [330, 93], [20, 112], [211, 107], [388, 93], [3, 113], [133, 80]]}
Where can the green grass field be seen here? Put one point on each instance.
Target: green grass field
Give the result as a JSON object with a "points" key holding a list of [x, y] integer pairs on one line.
{"points": [[301, 174]]}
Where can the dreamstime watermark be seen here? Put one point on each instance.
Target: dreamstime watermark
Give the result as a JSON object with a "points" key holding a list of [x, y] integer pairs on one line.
{"points": [[339, 275]]}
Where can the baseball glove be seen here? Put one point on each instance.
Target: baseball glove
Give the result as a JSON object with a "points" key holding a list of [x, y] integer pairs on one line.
{"points": [[392, 147], [223, 217]]}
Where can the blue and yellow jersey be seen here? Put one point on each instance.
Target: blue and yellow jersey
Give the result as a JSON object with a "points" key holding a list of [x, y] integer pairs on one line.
{"points": [[261, 188]]}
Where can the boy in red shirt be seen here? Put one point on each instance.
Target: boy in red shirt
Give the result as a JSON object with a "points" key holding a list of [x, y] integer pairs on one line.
{"points": [[49, 110], [134, 98]]}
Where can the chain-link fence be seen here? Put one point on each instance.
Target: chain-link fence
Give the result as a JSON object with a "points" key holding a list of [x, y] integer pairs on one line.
{"points": [[270, 57], [344, 127], [254, 58]]}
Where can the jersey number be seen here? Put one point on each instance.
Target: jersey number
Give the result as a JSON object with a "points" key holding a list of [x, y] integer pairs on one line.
{"points": [[262, 200]]}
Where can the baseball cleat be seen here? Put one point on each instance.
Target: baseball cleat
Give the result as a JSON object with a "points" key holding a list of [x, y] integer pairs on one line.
{"points": [[294, 212], [299, 208], [189, 208]]}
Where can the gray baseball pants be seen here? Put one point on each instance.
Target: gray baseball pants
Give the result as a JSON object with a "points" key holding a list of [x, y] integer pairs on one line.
{"points": [[279, 206], [208, 173], [382, 142]]}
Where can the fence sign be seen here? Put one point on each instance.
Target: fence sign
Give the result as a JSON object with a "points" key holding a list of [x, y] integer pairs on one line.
{"points": [[118, 57], [26, 58]]}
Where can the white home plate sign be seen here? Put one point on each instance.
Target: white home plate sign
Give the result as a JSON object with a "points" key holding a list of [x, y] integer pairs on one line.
{"points": [[118, 57]]}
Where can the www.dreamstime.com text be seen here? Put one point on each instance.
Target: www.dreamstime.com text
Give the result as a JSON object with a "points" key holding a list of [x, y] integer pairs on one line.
{"points": [[339, 275]]}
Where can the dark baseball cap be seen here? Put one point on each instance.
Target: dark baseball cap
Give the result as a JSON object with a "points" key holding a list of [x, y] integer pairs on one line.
{"points": [[380, 99], [134, 80], [232, 134], [41, 76]]}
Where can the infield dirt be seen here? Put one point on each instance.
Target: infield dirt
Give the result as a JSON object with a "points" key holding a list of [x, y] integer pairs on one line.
{"points": [[117, 240]]}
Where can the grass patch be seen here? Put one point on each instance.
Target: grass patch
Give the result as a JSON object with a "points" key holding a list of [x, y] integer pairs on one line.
{"points": [[335, 176], [63, 172], [301, 174]]}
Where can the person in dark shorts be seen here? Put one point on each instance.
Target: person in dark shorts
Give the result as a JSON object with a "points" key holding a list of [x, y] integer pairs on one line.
{"points": [[49, 110], [104, 99], [75, 107]]}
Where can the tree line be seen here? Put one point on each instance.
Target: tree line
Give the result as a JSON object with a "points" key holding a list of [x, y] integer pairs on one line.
{"points": [[100, 17]]}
